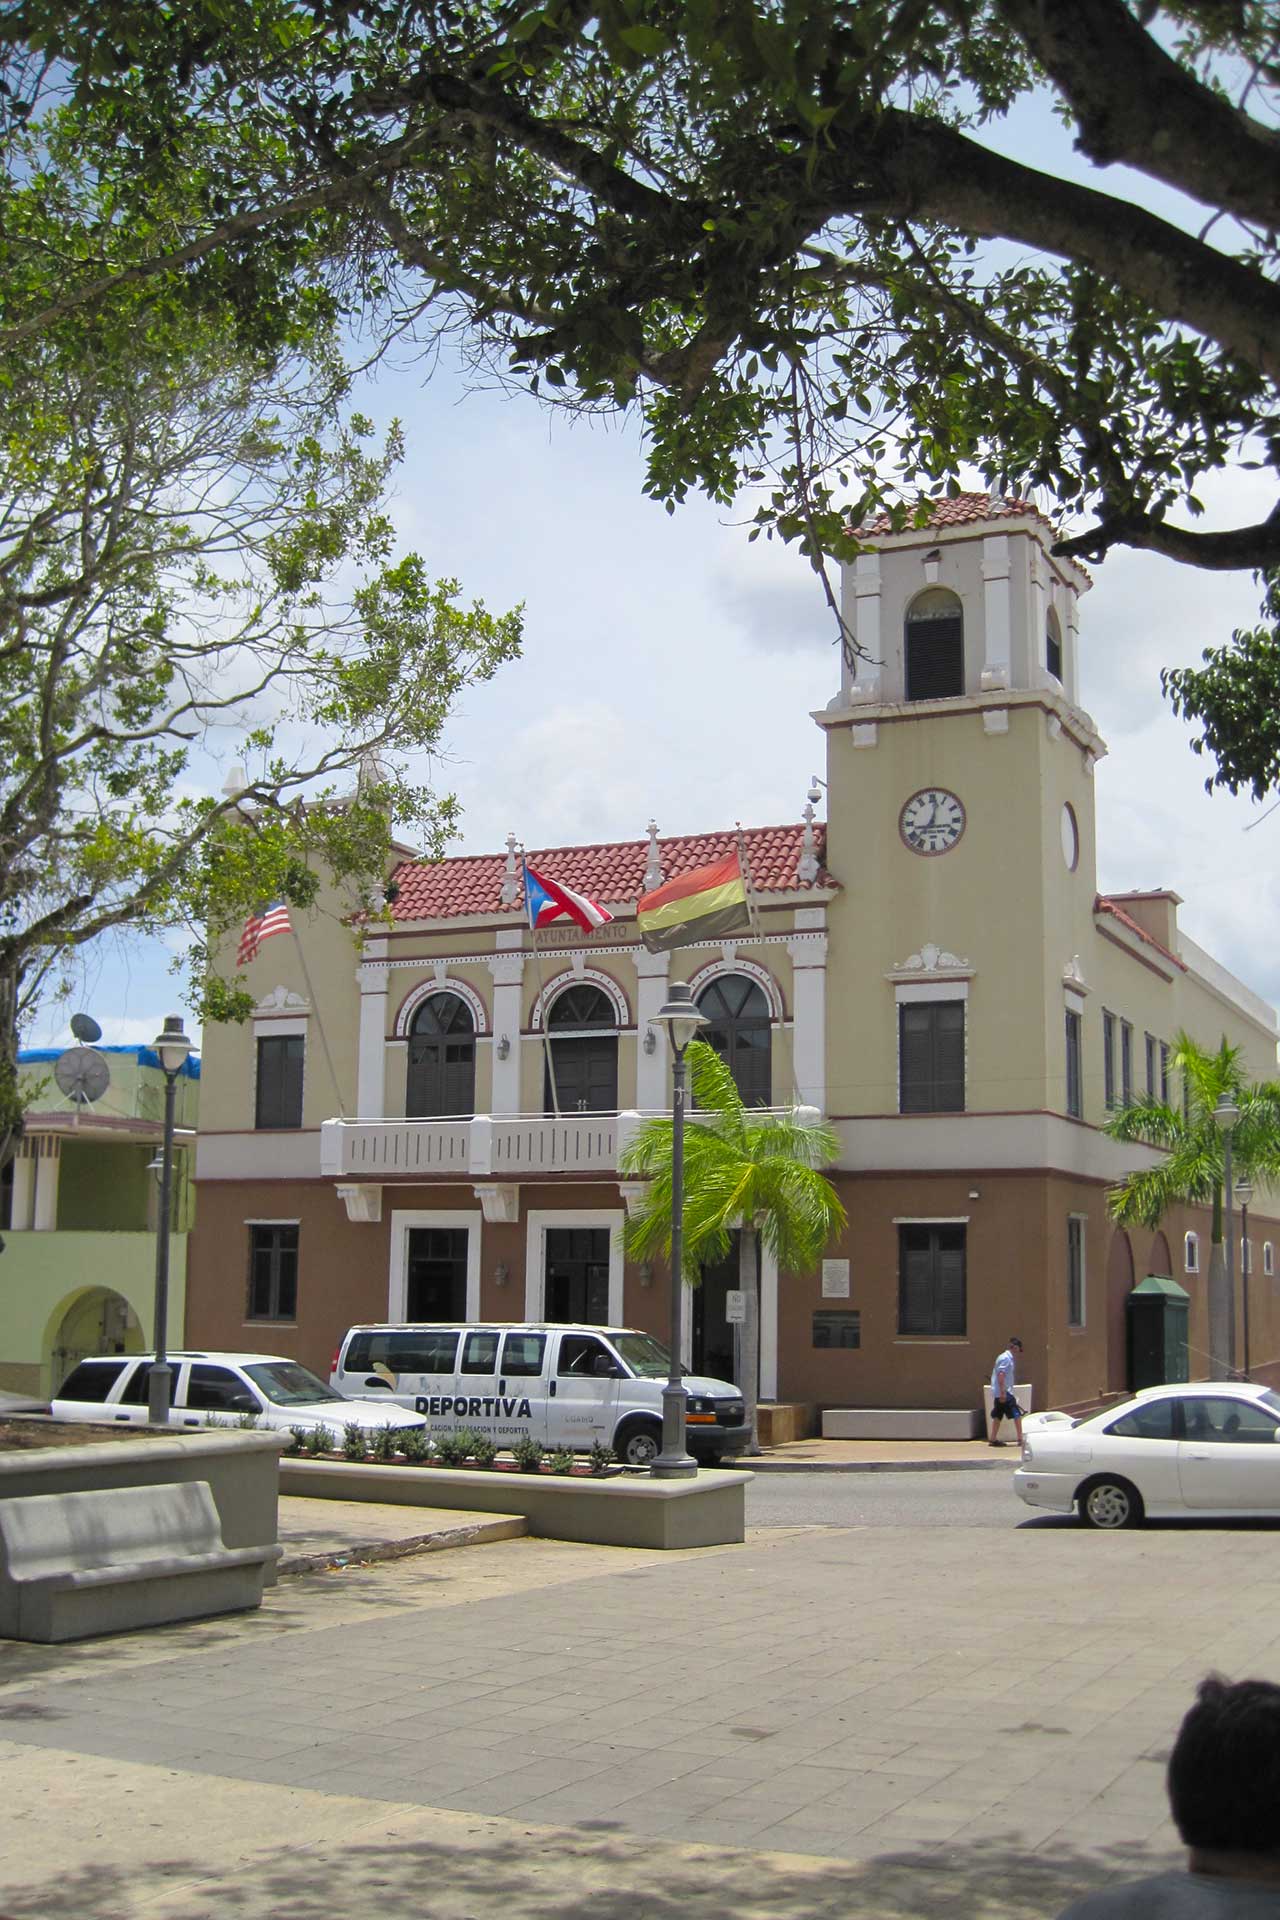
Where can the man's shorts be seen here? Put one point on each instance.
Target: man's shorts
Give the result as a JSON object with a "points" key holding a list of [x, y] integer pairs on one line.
{"points": [[1006, 1409]]}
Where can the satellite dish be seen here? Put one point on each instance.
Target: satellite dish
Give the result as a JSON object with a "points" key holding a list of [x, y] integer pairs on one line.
{"points": [[85, 1027], [82, 1074]]}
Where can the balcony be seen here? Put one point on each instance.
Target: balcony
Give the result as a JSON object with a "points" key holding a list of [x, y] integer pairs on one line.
{"points": [[519, 1146], [510, 1147]]}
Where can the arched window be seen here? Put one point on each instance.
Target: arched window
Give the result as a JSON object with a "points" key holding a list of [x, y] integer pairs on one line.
{"points": [[741, 1034], [442, 1059], [583, 1037], [1053, 645], [934, 646]]}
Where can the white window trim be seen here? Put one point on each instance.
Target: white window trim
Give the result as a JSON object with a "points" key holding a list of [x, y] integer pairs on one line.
{"points": [[262, 1220], [403, 1220], [274, 1030], [268, 1026], [1268, 1259], [1191, 1253], [930, 1220], [1077, 1326], [909, 991], [537, 1221]]}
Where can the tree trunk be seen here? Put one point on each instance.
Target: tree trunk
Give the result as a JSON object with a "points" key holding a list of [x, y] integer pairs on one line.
{"points": [[749, 1281]]}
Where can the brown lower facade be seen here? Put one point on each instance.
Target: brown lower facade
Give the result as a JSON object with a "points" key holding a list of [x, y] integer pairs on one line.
{"points": [[932, 1276]]}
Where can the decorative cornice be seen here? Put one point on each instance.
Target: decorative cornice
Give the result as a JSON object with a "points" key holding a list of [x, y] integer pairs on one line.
{"points": [[932, 963]]}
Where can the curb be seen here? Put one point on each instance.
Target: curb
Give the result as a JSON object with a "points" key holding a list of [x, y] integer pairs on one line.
{"points": [[366, 1553], [879, 1466]]}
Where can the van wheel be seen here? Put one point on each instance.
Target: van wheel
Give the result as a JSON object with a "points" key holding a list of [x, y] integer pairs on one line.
{"points": [[639, 1444], [1110, 1504]]}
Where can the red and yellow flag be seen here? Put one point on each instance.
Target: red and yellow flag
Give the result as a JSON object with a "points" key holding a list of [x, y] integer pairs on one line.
{"points": [[698, 907]]}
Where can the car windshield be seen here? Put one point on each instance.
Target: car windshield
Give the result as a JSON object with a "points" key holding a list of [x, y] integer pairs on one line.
{"points": [[1270, 1398], [288, 1384], [647, 1358]]}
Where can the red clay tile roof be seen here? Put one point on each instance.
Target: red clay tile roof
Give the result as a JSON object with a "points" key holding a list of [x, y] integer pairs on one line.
{"points": [[1102, 904], [611, 872], [962, 510]]}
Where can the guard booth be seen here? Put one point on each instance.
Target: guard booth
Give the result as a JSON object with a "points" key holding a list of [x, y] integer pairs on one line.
{"points": [[1157, 1312]]}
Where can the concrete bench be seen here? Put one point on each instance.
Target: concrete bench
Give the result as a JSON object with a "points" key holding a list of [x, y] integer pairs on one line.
{"points": [[900, 1423], [75, 1564]]}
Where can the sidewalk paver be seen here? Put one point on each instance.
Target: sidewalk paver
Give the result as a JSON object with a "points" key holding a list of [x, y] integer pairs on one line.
{"points": [[816, 1722], [880, 1456], [331, 1533]]}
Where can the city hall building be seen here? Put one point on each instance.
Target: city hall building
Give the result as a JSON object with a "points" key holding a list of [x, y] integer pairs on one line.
{"points": [[933, 970]]}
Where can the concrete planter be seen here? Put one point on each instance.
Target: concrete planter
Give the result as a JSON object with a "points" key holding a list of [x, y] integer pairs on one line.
{"points": [[240, 1468], [707, 1511]]}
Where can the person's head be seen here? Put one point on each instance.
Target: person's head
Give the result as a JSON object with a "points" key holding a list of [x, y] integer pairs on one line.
{"points": [[1224, 1771], [1014, 1342]]}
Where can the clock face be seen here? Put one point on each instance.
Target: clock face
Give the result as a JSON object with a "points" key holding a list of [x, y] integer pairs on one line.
{"points": [[932, 820]]}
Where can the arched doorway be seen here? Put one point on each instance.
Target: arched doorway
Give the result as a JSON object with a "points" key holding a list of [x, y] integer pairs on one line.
{"points": [[582, 1033], [741, 1033], [1119, 1287], [441, 1076], [96, 1320], [1159, 1260]]}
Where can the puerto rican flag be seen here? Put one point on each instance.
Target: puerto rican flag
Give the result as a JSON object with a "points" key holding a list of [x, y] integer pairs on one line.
{"points": [[260, 926], [547, 900]]}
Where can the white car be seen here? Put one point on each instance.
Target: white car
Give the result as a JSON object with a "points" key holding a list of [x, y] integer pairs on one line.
{"points": [[218, 1389], [1208, 1448]]}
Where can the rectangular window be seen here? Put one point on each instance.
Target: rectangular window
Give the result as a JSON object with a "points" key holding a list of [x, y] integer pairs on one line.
{"points": [[931, 1056], [1151, 1064], [1108, 1059], [1075, 1098], [1126, 1063], [522, 1354], [1075, 1271], [1164, 1071], [273, 1272], [931, 1279], [836, 1330], [279, 1094]]}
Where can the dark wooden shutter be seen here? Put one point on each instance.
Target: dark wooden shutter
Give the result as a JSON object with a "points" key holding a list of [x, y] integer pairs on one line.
{"points": [[935, 658], [931, 1057]]}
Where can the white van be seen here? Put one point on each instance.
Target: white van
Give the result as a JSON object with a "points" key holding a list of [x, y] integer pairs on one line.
{"points": [[565, 1386]]}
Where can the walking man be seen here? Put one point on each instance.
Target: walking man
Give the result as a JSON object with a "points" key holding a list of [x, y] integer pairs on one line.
{"points": [[1004, 1405]]}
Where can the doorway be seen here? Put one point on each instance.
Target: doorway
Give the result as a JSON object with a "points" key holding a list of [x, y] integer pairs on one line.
{"points": [[577, 1275], [714, 1349]]}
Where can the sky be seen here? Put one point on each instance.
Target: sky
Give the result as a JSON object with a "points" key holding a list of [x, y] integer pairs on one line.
{"points": [[670, 667]]}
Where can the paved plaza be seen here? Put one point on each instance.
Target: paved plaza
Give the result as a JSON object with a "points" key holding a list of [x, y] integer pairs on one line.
{"points": [[821, 1722]]}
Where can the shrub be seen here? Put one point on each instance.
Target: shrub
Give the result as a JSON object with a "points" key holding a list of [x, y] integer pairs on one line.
{"points": [[318, 1440], [247, 1420], [455, 1448], [298, 1438], [416, 1445], [561, 1459], [527, 1453], [384, 1443], [602, 1457], [484, 1451], [354, 1442]]}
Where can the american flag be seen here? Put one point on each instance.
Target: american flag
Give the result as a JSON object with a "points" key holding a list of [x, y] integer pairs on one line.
{"points": [[261, 926]]}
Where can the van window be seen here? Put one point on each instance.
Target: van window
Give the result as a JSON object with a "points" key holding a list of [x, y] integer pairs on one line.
{"points": [[424, 1350], [578, 1355], [480, 1355], [523, 1353], [135, 1391]]}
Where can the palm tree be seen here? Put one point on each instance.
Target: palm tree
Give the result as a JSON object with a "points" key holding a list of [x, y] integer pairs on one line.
{"points": [[757, 1172], [1194, 1166]]}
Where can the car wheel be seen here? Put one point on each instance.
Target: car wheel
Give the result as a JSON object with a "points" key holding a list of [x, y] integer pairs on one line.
{"points": [[1110, 1504], [639, 1445]]}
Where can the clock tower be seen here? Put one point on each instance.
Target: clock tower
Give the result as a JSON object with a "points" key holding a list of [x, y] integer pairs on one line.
{"points": [[960, 825]]}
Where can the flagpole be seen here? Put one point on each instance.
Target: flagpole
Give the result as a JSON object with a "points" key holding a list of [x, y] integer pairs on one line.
{"points": [[324, 1038], [542, 1011], [745, 864]]}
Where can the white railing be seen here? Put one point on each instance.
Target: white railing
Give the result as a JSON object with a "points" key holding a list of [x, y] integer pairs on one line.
{"points": [[547, 1143], [509, 1147]]}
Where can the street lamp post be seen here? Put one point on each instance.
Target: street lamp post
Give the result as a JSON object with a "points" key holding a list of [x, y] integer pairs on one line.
{"points": [[1244, 1194], [1222, 1313], [681, 1019], [173, 1046]]}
